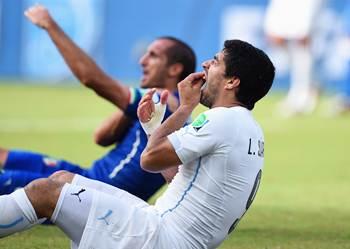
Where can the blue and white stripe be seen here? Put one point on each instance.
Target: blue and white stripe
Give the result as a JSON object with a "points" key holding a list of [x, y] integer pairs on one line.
{"points": [[186, 191]]}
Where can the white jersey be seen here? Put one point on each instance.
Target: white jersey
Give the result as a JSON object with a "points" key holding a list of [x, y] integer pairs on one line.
{"points": [[222, 153], [291, 19]]}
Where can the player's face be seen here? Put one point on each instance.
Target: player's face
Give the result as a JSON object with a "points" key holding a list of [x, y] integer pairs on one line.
{"points": [[215, 78], [154, 64]]}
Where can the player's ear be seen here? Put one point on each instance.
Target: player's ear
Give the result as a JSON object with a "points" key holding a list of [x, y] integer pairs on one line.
{"points": [[232, 83], [175, 70]]}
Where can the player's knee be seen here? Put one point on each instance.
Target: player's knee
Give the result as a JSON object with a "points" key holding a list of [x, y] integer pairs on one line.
{"points": [[43, 194], [62, 176]]}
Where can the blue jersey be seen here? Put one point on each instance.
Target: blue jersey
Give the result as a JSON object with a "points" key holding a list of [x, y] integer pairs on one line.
{"points": [[120, 167]]}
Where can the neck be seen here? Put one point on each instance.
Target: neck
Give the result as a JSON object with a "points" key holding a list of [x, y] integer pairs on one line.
{"points": [[228, 105], [171, 85], [227, 101]]}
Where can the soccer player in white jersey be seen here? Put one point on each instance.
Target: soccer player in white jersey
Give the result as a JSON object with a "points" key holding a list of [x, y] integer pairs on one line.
{"points": [[290, 25], [220, 155]]}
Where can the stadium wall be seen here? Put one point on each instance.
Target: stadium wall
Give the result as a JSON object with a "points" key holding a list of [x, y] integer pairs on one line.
{"points": [[116, 33]]}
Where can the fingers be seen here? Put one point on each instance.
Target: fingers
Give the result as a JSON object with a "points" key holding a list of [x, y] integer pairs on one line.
{"points": [[197, 75], [148, 96], [145, 110], [164, 97], [196, 79], [190, 89], [27, 13], [33, 9], [38, 15]]}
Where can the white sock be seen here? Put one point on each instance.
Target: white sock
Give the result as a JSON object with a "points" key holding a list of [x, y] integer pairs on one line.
{"points": [[16, 213]]}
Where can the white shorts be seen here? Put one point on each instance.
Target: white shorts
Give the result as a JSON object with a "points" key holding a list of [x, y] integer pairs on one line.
{"points": [[119, 221], [291, 19], [97, 215]]}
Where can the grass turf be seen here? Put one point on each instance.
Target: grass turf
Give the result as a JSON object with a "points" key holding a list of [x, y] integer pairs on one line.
{"points": [[302, 201]]}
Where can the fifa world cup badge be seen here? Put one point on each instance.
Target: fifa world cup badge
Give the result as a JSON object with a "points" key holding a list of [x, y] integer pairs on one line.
{"points": [[199, 122]]}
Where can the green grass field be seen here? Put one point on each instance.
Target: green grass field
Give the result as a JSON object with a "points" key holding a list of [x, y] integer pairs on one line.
{"points": [[303, 200]]}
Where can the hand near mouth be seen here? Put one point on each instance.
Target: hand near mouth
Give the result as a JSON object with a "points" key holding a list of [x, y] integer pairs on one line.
{"points": [[190, 89]]}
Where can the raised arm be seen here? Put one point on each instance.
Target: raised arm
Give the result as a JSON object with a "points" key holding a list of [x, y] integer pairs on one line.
{"points": [[82, 66]]}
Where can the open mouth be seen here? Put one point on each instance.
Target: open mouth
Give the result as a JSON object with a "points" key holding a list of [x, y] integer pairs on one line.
{"points": [[204, 84], [144, 75]]}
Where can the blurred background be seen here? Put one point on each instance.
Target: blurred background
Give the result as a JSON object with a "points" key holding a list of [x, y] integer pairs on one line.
{"points": [[116, 33], [302, 201]]}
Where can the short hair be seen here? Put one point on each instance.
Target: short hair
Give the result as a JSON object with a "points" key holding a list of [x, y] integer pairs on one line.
{"points": [[180, 52], [252, 66]]}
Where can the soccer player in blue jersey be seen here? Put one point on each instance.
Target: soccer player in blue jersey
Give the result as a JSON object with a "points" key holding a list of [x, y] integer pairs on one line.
{"points": [[166, 62]]}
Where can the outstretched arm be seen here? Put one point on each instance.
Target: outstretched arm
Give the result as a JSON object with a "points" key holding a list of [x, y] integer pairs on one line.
{"points": [[82, 66]]}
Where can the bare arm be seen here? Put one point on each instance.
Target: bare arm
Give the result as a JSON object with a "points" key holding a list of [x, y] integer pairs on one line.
{"points": [[112, 129], [152, 158], [82, 66], [169, 173]]}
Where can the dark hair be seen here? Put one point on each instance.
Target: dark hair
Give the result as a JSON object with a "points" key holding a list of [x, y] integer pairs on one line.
{"points": [[181, 53], [252, 66]]}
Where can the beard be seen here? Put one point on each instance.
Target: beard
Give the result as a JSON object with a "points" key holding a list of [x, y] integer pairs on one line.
{"points": [[206, 98], [209, 93]]}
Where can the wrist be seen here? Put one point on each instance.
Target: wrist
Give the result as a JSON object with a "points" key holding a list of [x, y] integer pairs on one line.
{"points": [[186, 109], [49, 24]]}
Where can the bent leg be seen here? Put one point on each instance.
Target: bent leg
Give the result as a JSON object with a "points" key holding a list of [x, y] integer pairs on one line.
{"points": [[67, 206], [39, 163], [12, 217], [107, 189], [78, 180], [10, 180], [72, 210], [23, 208]]}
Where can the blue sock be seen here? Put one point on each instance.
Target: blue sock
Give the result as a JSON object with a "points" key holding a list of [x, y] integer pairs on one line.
{"points": [[10, 180]]}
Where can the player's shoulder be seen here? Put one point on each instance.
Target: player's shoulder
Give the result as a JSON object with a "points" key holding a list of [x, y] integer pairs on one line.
{"points": [[213, 119], [223, 119], [227, 115]]}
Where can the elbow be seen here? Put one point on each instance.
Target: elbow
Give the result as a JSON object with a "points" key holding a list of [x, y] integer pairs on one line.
{"points": [[144, 161], [100, 140], [147, 163], [86, 80]]}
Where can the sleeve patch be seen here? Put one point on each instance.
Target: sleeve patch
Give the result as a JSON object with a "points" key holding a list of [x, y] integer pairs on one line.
{"points": [[199, 122]]}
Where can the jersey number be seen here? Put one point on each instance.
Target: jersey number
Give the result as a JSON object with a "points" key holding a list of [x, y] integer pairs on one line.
{"points": [[250, 200]]}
